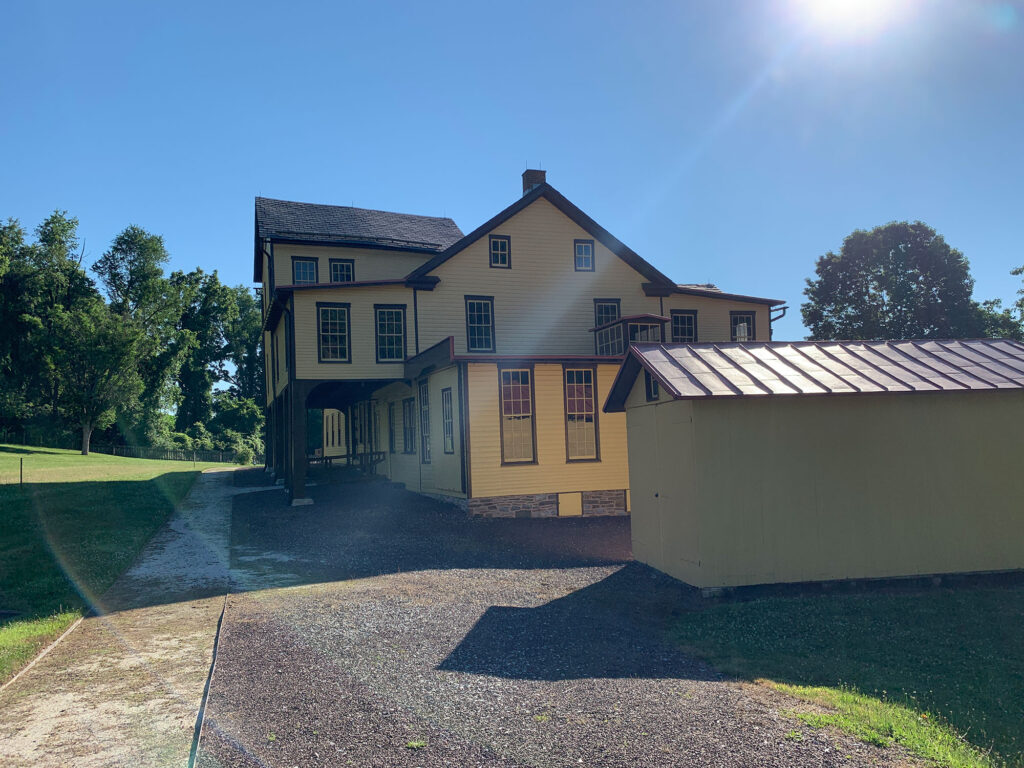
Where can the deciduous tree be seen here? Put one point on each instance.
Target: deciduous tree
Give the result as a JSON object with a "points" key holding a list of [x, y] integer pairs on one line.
{"points": [[897, 281]]}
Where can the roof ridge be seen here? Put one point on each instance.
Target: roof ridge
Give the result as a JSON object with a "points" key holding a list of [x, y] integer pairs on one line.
{"points": [[355, 208]]}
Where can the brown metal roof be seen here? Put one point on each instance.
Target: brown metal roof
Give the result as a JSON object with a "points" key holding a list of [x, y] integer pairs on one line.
{"points": [[752, 369]]}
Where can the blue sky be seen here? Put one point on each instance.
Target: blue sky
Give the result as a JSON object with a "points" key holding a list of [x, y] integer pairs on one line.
{"points": [[731, 142]]}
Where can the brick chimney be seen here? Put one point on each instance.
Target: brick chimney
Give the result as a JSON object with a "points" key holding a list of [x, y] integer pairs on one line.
{"points": [[533, 179]]}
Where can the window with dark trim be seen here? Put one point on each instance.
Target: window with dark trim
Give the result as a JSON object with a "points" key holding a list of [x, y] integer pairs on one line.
{"points": [[343, 270], [424, 422], [409, 425], [305, 270], [390, 323], [501, 251], [480, 323], [651, 387], [606, 311], [447, 420], [333, 333], [741, 326], [644, 331], [684, 326], [583, 255], [517, 422], [391, 427], [580, 415]]}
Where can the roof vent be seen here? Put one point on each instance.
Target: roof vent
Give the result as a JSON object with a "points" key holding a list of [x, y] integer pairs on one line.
{"points": [[533, 179]]}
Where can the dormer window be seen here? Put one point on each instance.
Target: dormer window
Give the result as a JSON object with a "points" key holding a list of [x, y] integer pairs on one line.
{"points": [[584, 255], [501, 251], [304, 270], [611, 339]]}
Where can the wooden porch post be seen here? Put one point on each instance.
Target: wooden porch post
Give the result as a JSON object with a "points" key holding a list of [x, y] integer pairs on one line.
{"points": [[297, 479]]}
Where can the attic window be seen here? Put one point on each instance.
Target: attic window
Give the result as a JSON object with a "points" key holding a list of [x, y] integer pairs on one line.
{"points": [[584, 255], [501, 251]]}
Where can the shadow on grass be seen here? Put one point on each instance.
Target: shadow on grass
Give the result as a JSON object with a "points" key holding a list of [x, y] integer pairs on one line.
{"points": [[956, 653], [63, 544]]}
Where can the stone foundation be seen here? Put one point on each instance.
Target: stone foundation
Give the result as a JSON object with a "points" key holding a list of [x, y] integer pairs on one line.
{"points": [[604, 503], [525, 505], [545, 504]]}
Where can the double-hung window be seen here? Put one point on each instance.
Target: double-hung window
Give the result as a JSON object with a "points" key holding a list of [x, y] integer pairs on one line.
{"points": [[343, 270], [580, 415], [333, 333], [684, 326], [409, 425], [583, 255], [741, 326], [480, 323], [390, 322], [424, 422], [304, 270], [447, 420], [606, 311], [517, 425], [501, 251]]}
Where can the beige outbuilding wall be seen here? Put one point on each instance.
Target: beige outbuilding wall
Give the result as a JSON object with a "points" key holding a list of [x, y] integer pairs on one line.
{"points": [[730, 492]]}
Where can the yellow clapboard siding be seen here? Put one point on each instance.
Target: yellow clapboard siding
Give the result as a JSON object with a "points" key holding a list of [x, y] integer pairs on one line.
{"points": [[552, 473], [542, 306], [370, 263], [362, 332]]}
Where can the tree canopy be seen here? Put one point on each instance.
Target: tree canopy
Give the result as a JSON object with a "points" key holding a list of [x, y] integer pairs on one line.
{"points": [[141, 364], [899, 281]]}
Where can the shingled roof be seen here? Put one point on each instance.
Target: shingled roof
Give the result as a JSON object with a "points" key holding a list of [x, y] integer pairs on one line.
{"points": [[758, 369], [287, 221]]}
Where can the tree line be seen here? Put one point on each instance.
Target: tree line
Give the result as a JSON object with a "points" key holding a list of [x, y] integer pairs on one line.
{"points": [[902, 280], [127, 353]]}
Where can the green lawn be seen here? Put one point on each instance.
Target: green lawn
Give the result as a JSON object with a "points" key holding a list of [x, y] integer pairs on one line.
{"points": [[65, 535], [939, 671]]}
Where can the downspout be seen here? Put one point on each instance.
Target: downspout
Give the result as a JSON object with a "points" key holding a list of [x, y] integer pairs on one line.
{"points": [[782, 314], [416, 319]]}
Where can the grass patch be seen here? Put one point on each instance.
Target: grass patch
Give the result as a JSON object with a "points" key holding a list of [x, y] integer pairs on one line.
{"points": [[66, 535], [940, 672]]}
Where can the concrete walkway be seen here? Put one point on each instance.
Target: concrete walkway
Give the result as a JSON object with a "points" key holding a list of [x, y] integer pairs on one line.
{"points": [[125, 687]]}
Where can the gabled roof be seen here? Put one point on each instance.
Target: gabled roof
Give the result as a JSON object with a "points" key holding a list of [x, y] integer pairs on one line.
{"points": [[558, 200], [287, 221], [758, 369]]}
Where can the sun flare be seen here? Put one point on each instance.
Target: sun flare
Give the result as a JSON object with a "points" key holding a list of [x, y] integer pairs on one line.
{"points": [[850, 18]]}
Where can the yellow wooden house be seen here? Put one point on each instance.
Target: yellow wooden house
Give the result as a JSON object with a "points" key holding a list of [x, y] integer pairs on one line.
{"points": [[467, 366]]}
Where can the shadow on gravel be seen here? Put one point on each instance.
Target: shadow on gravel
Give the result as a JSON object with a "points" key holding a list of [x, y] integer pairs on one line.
{"points": [[360, 529], [607, 630]]}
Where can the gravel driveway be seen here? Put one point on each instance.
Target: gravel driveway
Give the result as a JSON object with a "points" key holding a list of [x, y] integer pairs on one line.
{"points": [[417, 637]]}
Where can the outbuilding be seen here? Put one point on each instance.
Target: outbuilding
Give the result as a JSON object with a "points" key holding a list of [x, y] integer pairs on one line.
{"points": [[760, 463]]}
